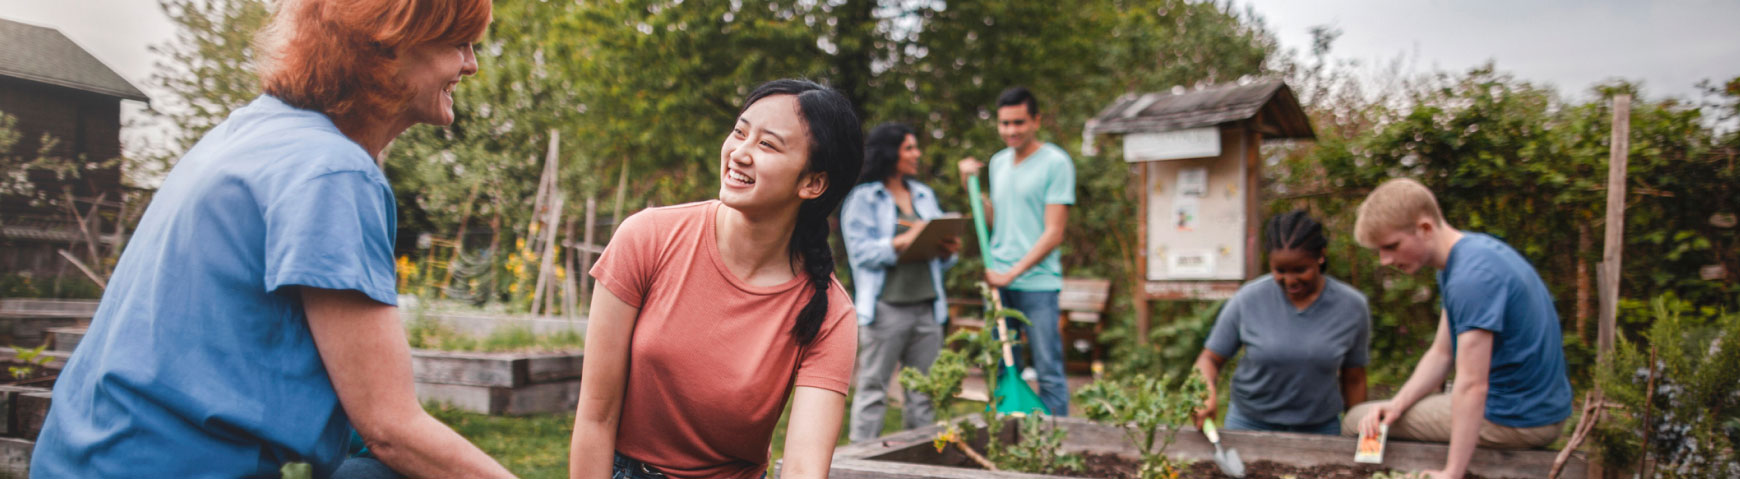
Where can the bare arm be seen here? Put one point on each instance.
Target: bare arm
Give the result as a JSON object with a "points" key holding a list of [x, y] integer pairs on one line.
{"points": [[363, 346], [1468, 398], [1433, 368], [1056, 219], [1209, 363], [814, 428], [1427, 377], [603, 376], [1352, 387]]}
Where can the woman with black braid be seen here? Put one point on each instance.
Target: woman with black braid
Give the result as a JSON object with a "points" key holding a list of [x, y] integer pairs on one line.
{"points": [[712, 315], [1305, 337]]}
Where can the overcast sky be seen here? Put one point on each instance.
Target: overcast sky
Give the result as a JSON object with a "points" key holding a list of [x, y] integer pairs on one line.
{"points": [[1669, 45]]}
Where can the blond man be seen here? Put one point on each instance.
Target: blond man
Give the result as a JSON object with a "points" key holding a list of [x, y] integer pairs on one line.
{"points": [[1498, 332]]}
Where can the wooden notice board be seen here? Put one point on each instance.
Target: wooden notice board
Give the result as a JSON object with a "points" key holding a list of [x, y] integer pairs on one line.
{"points": [[1197, 214]]}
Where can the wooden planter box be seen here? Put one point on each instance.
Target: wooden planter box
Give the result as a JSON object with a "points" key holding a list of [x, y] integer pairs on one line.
{"points": [[30, 329], [489, 383], [910, 454], [499, 383], [72, 307]]}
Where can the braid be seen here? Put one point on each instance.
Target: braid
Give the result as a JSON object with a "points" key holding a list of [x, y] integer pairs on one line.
{"points": [[809, 243], [1296, 230]]}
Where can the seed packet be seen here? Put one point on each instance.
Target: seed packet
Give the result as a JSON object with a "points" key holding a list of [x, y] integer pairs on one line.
{"points": [[1371, 448]]}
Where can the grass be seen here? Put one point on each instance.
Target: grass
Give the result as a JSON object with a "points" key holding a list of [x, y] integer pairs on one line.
{"points": [[431, 334], [536, 447]]}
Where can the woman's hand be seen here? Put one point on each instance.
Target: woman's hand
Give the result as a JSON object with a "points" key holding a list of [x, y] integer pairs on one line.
{"points": [[904, 240], [950, 246], [1208, 410]]}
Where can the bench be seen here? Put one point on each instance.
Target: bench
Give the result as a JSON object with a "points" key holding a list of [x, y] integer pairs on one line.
{"points": [[1082, 304]]}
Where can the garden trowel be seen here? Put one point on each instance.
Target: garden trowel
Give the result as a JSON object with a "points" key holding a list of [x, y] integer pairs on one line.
{"points": [[1227, 459]]}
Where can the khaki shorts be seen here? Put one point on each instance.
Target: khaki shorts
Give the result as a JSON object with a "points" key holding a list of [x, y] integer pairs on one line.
{"points": [[1429, 420]]}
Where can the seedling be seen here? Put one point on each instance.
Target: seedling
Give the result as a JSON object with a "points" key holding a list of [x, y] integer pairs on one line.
{"points": [[1143, 406], [982, 348], [31, 359]]}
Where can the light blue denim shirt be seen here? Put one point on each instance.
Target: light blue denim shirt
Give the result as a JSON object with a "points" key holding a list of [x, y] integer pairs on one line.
{"points": [[867, 221]]}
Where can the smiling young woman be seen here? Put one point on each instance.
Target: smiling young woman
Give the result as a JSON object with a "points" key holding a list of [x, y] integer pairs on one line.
{"points": [[251, 320], [713, 314], [1305, 337]]}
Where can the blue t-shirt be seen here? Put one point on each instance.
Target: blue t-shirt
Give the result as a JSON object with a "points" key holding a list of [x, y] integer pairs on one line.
{"points": [[1291, 371], [199, 362], [1019, 194], [1487, 285]]}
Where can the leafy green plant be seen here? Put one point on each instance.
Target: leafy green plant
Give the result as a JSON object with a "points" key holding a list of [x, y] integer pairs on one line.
{"points": [[1676, 389], [1144, 406], [1039, 450], [982, 348], [31, 359]]}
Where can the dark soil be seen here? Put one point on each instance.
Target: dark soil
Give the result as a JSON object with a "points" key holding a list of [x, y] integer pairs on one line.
{"points": [[1118, 467]]}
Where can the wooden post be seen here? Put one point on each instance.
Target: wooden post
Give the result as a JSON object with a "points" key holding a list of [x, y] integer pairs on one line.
{"points": [[1139, 277], [570, 294], [1615, 239], [547, 260], [1250, 141], [621, 192], [585, 250]]}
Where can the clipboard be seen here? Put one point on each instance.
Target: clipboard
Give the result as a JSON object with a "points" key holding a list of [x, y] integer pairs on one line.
{"points": [[930, 239]]}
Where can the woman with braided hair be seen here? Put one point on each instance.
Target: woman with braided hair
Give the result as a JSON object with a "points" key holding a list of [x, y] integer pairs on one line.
{"points": [[713, 314], [1305, 337]]}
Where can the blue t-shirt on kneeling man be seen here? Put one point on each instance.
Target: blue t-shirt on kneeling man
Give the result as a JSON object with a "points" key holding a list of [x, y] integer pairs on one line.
{"points": [[1487, 285], [199, 362]]}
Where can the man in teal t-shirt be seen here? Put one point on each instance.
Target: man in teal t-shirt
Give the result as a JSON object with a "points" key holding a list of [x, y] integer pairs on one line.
{"points": [[1032, 187]]}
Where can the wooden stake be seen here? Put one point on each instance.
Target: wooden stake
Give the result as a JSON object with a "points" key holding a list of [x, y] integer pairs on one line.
{"points": [[1615, 238], [543, 289], [587, 242], [621, 192], [570, 297], [85, 269]]}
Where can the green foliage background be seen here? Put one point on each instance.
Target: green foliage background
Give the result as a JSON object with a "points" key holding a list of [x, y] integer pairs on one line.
{"points": [[650, 87]]}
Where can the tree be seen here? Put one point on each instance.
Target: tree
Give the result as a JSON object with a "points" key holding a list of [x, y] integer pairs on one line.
{"points": [[208, 70]]}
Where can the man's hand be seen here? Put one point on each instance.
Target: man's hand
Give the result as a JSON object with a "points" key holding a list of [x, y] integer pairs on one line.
{"points": [[998, 279], [1382, 414], [969, 167]]}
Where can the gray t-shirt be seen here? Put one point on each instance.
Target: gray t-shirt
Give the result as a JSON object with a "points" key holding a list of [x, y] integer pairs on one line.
{"points": [[1290, 374]]}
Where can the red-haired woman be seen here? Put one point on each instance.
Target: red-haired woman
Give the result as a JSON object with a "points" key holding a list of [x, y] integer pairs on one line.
{"points": [[251, 320]]}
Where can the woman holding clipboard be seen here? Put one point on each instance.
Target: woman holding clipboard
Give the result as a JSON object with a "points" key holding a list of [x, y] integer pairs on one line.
{"points": [[901, 307]]}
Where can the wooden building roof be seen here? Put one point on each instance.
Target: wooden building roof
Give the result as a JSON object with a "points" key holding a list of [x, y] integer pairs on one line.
{"points": [[44, 55], [1269, 101]]}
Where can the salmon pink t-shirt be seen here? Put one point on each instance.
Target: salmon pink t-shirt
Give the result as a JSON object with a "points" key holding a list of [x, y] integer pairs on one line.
{"points": [[712, 360]]}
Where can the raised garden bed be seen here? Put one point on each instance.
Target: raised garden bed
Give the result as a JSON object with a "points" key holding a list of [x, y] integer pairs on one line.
{"points": [[512, 383], [29, 329], [911, 454]]}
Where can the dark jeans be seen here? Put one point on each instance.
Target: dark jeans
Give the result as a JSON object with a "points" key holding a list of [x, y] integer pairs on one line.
{"points": [[364, 468], [625, 468], [1044, 342]]}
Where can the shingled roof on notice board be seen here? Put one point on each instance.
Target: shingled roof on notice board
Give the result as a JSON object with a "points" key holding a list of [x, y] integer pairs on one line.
{"points": [[1269, 101]]}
